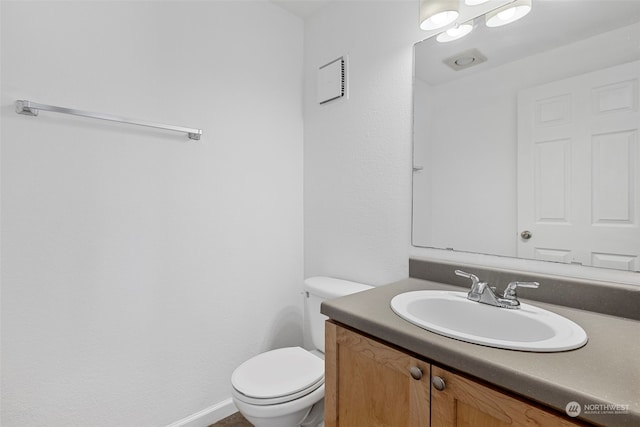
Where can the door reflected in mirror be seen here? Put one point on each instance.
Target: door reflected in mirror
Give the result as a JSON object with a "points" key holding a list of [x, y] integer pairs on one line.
{"points": [[533, 153]]}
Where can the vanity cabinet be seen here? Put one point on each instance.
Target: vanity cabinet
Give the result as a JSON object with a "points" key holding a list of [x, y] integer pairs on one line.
{"points": [[465, 402], [371, 384]]}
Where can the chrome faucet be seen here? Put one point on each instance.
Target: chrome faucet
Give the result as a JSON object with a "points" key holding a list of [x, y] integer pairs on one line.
{"points": [[485, 294]]}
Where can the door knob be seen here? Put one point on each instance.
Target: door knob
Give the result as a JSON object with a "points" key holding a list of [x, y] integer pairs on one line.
{"points": [[416, 373], [438, 383], [526, 234]]}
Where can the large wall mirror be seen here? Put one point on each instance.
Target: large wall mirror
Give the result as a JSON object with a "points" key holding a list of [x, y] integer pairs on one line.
{"points": [[526, 136]]}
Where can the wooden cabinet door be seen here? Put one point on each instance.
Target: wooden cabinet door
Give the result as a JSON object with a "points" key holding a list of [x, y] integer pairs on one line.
{"points": [[369, 384], [466, 403]]}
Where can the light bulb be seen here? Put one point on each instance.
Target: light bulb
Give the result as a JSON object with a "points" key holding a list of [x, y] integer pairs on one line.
{"points": [[439, 20], [455, 33], [508, 14], [435, 14]]}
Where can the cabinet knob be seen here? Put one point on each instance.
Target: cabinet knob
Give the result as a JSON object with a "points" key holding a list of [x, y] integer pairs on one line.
{"points": [[438, 383], [416, 373], [526, 234]]}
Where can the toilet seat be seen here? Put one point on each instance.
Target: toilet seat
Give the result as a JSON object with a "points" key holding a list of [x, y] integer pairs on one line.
{"points": [[278, 376]]}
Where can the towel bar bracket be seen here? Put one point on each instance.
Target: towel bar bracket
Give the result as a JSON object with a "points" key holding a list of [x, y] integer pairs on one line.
{"points": [[22, 107]]}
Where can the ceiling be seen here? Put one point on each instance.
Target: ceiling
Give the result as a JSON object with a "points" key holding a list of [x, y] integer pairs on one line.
{"points": [[302, 8]]}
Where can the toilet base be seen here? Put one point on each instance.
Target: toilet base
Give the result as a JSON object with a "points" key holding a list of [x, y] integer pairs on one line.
{"points": [[289, 414], [289, 420], [315, 418]]}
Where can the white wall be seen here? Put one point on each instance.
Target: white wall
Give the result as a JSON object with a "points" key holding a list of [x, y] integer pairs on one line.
{"points": [[358, 151], [139, 268]]}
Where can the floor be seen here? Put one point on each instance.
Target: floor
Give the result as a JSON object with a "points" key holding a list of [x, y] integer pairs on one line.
{"points": [[235, 420]]}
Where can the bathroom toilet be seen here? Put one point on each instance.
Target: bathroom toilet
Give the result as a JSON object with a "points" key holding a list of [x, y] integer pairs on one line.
{"points": [[285, 387]]}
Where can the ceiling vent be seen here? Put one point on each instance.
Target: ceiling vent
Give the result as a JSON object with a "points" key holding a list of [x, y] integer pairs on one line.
{"points": [[466, 59]]}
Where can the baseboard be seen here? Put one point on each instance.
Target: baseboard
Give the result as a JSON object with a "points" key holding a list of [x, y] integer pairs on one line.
{"points": [[208, 416]]}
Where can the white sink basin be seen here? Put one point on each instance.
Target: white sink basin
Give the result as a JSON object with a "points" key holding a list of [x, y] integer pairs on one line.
{"points": [[451, 314]]}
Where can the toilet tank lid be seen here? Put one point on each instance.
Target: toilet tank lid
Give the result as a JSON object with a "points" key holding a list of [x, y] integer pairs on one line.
{"points": [[329, 287]]}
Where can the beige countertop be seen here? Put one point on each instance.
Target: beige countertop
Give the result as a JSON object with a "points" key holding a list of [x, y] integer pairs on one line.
{"points": [[606, 371]]}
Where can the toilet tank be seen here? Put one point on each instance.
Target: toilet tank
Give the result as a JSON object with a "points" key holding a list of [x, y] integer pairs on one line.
{"points": [[319, 289]]}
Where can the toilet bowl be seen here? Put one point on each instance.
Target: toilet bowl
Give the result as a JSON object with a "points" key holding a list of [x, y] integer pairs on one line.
{"points": [[278, 388], [285, 387]]}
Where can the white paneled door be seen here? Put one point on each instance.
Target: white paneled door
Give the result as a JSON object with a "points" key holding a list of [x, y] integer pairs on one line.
{"points": [[578, 169]]}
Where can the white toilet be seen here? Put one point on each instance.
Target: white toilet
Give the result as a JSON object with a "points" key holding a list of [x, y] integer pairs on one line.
{"points": [[285, 387]]}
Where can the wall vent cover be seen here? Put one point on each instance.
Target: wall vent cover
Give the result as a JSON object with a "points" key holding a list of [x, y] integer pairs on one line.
{"points": [[466, 59], [332, 80]]}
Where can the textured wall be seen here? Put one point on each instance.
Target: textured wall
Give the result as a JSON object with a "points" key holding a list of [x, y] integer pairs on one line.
{"points": [[358, 150], [139, 268]]}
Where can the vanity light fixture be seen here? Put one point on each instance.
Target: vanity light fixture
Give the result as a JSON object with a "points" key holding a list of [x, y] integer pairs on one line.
{"points": [[436, 14], [509, 13], [455, 33]]}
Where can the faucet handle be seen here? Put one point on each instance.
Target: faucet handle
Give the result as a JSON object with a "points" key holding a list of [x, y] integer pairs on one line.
{"points": [[477, 287], [510, 291], [474, 279]]}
